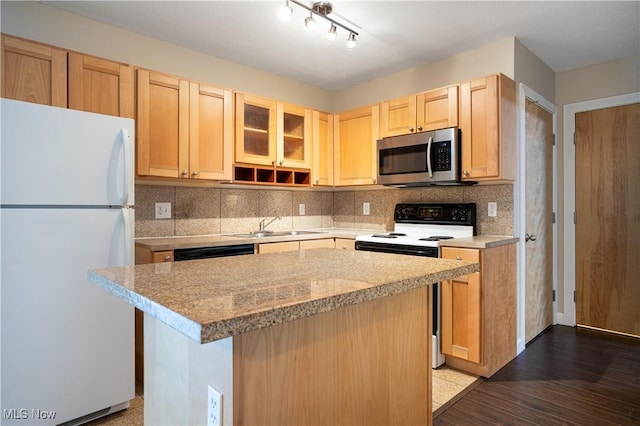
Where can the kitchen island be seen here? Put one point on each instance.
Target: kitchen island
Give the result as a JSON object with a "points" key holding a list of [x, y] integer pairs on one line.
{"points": [[317, 336]]}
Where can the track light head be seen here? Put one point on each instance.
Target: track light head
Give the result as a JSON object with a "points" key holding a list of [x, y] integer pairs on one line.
{"points": [[351, 42], [332, 34], [310, 23], [285, 11]]}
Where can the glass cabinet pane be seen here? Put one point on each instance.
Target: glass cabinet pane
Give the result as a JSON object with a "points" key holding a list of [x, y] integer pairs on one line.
{"points": [[256, 130], [293, 136]]}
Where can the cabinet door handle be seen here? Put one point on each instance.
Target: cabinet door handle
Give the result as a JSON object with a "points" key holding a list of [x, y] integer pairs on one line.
{"points": [[281, 161], [411, 129], [184, 173], [419, 128], [466, 173], [195, 173], [528, 238], [458, 258], [167, 258]]}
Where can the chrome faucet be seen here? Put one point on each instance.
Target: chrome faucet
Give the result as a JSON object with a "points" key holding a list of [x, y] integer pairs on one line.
{"points": [[264, 225]]}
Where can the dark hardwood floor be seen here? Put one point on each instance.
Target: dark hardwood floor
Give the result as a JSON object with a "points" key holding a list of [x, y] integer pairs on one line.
{"points": [[566, 376]]}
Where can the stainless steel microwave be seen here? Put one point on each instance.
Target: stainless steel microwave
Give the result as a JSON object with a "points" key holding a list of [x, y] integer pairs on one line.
{"points": [[419, 159]]}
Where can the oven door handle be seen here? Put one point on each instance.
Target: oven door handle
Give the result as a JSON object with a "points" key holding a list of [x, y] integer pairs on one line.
{"points": [[429, 156]]}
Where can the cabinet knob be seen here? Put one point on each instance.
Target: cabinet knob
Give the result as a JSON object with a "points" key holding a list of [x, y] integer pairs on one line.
{"points": [[374, 180], [273, 162], [458, 258], [195, 173], [184, 173], [466, 173], [281, 162], [317, 181], [344, 247], [419, 128], [411, 129], [167, 258]]}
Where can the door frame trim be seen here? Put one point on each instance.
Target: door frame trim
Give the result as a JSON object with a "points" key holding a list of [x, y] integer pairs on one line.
{"points": [[569, 121], [519, 202]]}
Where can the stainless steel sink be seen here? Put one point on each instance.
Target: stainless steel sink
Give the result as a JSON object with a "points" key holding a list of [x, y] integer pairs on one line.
{"points": [[263, 234]]}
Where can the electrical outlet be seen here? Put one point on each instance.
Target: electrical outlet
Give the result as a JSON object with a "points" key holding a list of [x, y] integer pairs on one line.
{"points": [[163, 210], [492, 209], [366, 209], [301, 209], [214, 407]]}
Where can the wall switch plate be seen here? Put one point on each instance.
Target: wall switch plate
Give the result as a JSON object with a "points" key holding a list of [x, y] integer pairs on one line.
{"points": [[214, 407], [366, 209], [301, 209], [163, 210], [492, 209]]}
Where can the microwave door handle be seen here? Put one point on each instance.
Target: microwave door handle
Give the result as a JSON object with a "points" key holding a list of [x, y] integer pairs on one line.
{"points": [[429, 157]]}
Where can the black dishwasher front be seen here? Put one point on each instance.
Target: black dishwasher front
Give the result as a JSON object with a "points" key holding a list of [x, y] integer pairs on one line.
{"points": [[209, 252]]}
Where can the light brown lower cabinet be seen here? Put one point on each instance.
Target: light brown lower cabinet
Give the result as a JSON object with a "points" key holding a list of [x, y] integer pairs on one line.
{"points": [[345, 244], [295, 245], [479, 311]]}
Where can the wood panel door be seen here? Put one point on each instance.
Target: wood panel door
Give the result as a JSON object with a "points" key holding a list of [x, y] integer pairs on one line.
{"points": [[322, 169], [356, 132], [608, 219], [437, 109], [162, 125], [539, 219], [210, 132], [34, 72], [256, 130], [487, 124], [398, 116], [100, 86]]}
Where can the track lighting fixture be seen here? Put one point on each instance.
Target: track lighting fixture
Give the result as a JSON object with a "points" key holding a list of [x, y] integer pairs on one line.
{"points": [[321, 9]]}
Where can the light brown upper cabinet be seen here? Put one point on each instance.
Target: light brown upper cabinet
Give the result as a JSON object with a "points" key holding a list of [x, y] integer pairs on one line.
{"points": [[184, 128], [322, 170], [210, 132], [34, 72], [355, 135], [100, 86], [487, 123], [272, 133], [431, 110]]}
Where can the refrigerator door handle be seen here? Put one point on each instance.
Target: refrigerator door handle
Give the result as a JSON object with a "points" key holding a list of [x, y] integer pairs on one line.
{"points": [[128, 161], [128, 235]]}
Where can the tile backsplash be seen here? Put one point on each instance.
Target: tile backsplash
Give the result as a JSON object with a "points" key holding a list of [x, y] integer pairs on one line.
{"points": [[217, 210]]}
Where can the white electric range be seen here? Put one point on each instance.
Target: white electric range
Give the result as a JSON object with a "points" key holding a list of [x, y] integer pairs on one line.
{"points": [[418, 231]]}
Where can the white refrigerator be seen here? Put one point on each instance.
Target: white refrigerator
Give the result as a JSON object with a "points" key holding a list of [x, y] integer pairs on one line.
{"points": [[67, 191]]}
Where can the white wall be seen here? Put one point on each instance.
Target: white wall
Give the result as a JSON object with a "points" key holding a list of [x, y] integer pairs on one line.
{"points": [[489, 59], [530, 70]]}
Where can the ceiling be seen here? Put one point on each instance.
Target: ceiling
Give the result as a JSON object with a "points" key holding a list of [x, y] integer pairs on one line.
{"points": [[393, 35]]}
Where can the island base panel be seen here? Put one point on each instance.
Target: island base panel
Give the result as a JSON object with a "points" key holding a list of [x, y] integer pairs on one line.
{"points": [[178, 372], [364, 364]]}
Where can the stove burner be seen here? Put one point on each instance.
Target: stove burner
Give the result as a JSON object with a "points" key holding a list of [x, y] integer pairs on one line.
{"points": [[384, 236], [436, 238], [397, 234]]}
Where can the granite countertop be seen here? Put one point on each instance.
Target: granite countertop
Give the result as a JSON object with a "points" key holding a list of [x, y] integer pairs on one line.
{"points": [[211, 299], [214, 240], [480, 241]]}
